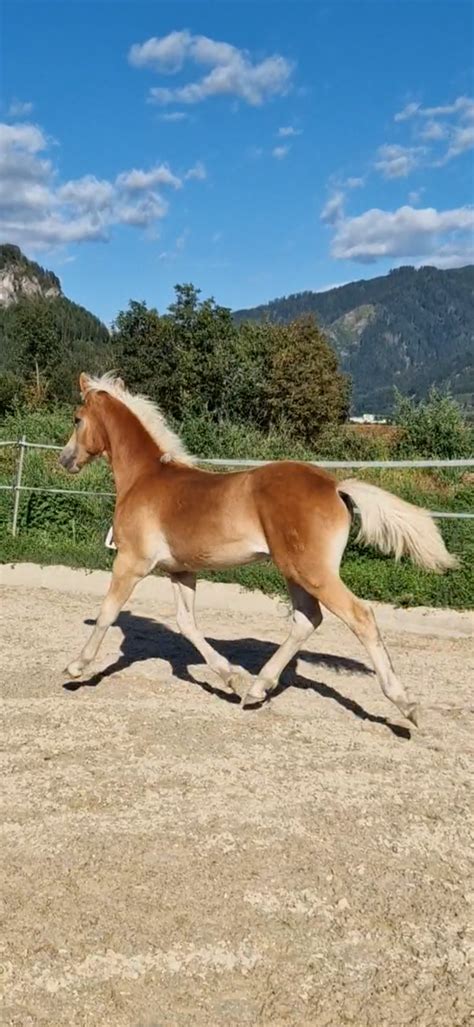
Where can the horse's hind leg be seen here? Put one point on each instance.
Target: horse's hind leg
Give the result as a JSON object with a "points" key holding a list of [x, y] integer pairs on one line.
{"points": [[306, 617], [124, 578], [360, 618]]}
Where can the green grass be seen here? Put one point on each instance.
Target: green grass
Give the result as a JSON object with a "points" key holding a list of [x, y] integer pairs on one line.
{"points": [[71, 529], [370, 576]]}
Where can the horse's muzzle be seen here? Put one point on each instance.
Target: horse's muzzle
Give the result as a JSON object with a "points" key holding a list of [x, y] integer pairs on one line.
{"points": [[67, 460]]}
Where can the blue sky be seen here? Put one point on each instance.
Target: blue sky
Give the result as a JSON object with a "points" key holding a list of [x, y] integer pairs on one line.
{"points": [[255, 149]]}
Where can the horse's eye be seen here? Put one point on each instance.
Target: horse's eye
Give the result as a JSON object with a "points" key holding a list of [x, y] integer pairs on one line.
{"points": [[77, 421]]}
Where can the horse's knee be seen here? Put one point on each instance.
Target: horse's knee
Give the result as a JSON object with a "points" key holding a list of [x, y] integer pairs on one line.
{"points": [[364, 619]]}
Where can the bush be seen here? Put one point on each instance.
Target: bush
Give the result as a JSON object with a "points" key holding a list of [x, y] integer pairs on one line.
{"points": [[342, 442], [207, 439], [11, 391], [432, 428]]}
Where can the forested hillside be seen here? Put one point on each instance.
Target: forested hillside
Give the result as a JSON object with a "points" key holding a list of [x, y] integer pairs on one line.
{"points": [[268, 365], [44, 336], [411, 329]]}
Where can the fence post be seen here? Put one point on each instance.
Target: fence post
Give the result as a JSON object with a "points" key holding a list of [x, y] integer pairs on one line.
{"points": [[17, 486]]}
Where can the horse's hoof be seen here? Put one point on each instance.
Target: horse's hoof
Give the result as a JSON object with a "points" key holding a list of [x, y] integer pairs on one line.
{"points": [[256, 693], [411, 711], [413, 714], [238, 680], [74, 669]]}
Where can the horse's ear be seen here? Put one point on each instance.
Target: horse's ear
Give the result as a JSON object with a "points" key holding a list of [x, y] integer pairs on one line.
{"points": [[83, 384]]}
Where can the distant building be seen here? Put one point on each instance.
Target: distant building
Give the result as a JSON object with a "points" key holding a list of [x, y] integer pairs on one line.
{"points": [[368, 419]]}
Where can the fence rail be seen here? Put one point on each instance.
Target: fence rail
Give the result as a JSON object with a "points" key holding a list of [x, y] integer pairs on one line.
{"points": [[23, 445]]}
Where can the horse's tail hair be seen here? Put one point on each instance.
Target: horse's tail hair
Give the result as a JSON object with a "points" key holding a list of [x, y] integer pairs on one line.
{"points": [[395, 526]]}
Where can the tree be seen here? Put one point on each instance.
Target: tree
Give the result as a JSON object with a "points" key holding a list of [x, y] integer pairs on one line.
{"points": [[182, 359], [143, 348], [55, 339], [432, 428], [205, 339], [38, 337], [305, 385], [246, 388]]}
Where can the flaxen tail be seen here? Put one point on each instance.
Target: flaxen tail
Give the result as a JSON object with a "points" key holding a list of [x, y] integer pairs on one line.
{"points": [[397, 527]]}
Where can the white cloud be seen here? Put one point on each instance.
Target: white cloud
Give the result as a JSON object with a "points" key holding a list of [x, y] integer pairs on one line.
{"points": [[148, 210], [457, 126], [25, 177], [333, 210], [355, 183], [415, 195], [280, 152], [38, 212], [27, 138], [87, 193], [20, 109], [433, 131], [408, 112], [463, 105], [448, 256], [137, 179], [397, 161], [419, 234], [166, 54], [174, 116], [198, 171], [232, 71], [287, 130], [462, 140], [406, 232]]}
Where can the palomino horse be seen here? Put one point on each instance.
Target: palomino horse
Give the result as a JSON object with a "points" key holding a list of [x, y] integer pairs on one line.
{"points": [[176, 517]]}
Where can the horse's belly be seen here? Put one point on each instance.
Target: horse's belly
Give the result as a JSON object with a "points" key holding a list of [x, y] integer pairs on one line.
{"points": [[175, 554], [220, 556], [236, 555], [162, 556]]}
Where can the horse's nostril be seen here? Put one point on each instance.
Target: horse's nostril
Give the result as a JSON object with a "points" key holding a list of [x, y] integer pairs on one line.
{"points": [[66, 459]]}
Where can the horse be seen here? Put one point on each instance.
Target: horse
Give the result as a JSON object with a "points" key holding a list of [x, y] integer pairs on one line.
{"points": [[173, 516]]}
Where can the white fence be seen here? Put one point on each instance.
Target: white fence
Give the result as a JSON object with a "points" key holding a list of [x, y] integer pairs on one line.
{"points": [[23, 445]]}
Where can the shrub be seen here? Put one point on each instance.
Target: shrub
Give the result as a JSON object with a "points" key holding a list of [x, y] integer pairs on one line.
{"points": [[432, 428]]}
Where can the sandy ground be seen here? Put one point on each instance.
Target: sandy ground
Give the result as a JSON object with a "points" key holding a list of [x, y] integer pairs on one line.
{"points": [[169, 860]]}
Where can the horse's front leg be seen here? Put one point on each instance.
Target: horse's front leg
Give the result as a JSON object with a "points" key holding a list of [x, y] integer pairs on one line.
{"points": [[184, 588], [126, 573]]}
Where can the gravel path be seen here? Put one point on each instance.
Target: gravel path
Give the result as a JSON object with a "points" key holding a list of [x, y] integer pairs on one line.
{"points": [[171, 861]]}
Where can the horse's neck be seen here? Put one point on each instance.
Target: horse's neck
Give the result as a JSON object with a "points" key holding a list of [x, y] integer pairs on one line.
{"points": [[130, 448]]}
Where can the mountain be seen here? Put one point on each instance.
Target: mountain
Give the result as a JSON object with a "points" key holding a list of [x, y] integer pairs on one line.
{"points": [[35, 314], [21, 278], [45, 338], [412, 328]]}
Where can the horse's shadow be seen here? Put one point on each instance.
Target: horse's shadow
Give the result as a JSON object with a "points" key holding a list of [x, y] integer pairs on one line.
{"points": [[147, 639]]}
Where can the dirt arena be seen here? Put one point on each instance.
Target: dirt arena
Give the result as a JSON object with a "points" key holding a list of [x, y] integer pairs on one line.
{"points": [[172, 861]]}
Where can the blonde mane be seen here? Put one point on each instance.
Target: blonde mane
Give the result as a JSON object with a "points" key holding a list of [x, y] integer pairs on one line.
{"points": [[146, 412]]}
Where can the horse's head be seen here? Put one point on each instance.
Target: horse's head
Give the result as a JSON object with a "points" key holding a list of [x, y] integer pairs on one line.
{"points": [[88, 440]]}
